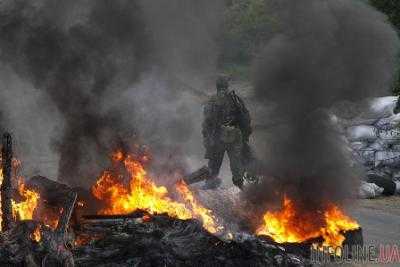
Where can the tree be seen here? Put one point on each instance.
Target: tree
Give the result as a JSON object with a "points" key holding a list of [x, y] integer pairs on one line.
{"points": [[392, 9], [247, 27], [389, 7]]}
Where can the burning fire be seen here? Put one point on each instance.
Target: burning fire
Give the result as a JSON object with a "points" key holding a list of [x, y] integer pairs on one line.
{"points": [[24, 209], [50, 217], [141, 193], [198, 210], [36, 235], [290, 225]]}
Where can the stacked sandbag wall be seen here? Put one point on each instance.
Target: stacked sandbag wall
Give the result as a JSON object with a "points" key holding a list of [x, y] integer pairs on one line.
{"points": [[374, 138]]}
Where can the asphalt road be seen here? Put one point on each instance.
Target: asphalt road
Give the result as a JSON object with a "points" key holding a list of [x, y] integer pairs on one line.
{"points": [[380, 220]]}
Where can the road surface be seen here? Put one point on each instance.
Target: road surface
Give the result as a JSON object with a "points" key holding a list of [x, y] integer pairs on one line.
{"points": [[380, 220]]}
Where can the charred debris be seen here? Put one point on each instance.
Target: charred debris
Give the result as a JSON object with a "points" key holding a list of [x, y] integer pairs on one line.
{"points": [[83, 238]]}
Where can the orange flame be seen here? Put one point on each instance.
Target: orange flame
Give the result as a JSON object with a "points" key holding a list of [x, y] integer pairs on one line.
{"points": [[292, 226], [50, 217], [205, 215], [141, 193], [84, 239], [22, 210], [36, 235], [337, 223]]}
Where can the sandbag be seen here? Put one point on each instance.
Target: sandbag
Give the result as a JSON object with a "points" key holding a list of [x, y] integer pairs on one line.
{"points": [[362, 133], [396, 147], [382, 107], [388, 123], [378, 145], [392, 135], [369, 190], [387, 158], [365, 157], [358, 145], [370, 112], [396, 175]]}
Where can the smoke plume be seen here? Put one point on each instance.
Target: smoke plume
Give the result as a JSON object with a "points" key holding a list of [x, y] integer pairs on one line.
{"points": [[186, 35], [107, 72], [75, 58], [325, 52]]}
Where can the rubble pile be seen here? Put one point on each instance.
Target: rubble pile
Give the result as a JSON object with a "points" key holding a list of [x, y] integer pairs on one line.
{"points": [[70, 238], [29, 243], [164, 241], [139, 239], [66, 229], [373, 132]]}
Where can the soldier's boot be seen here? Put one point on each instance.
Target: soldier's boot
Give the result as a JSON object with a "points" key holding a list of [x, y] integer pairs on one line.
{"points": [[212, 183]]}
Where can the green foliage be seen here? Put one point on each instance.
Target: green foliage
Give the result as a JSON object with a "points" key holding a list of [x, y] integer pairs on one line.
{"points": [[248, 25], [391, 8], [246, 22]]}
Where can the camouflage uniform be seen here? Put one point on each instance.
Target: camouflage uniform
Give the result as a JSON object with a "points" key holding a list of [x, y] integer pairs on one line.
{"points": [[226, 128]]}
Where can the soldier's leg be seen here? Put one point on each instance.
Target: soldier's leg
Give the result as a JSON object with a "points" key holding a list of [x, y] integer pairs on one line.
{"points": [[235, 159], [214, 163]]}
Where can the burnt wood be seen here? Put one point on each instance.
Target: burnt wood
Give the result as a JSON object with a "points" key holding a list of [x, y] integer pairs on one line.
{"points": [[6, 186]]}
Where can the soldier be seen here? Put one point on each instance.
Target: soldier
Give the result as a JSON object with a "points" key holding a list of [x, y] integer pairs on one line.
{"points": [[226, 128]]}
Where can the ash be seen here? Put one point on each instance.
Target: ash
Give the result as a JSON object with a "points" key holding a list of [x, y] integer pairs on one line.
{"points": [[157, 241], [165, 241]]}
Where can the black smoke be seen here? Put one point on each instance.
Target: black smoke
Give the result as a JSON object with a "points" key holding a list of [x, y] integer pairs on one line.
{"points": [[326, 51], [186, 36], [76, 51], [118, 72]]}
